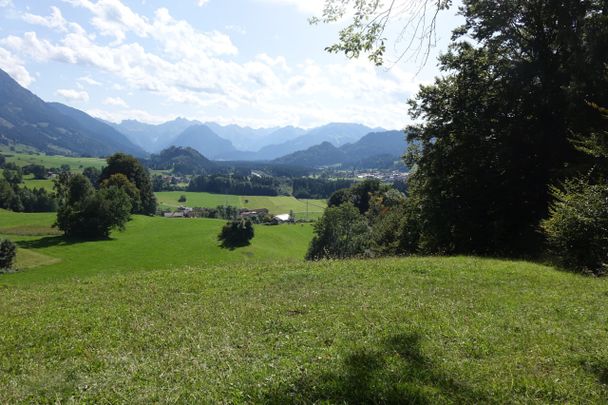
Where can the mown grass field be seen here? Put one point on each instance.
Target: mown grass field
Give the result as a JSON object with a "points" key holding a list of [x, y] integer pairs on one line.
{"points": [[77, 164], [148, 243], [276, 205], [417, 330]]}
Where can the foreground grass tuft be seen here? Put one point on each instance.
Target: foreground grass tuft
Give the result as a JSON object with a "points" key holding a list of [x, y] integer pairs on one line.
{"points": [[424, 330]]}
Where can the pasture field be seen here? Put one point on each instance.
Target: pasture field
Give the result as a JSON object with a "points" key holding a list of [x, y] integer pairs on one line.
{"points": [[30, 183], [148, 243], [77, 164], [414, 330], [276, 205]]}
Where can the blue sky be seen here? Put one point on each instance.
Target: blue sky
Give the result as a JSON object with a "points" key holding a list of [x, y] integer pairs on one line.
{"points": [[249, 62]]}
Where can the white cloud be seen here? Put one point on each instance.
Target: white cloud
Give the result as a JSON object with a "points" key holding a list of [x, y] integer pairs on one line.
{"points": [[201, 3], [130, 114], [15, 68], [183, 68], [89, 80], [113, 18], [6, 3], [313, 7], [236, 28], [73, 95], [115, 101], [55, 21]]}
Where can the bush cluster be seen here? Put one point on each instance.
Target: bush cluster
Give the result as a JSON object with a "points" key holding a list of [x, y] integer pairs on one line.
{"points": [[8, 252], [236, 233]]}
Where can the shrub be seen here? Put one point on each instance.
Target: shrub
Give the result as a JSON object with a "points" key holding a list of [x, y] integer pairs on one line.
{"points": [[8, 251], [182, 199], [577, 228], [340, 233], [236, 233]]}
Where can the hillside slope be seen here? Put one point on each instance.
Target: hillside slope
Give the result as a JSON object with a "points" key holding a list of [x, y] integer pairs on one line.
{"points": [[416, 330], [182, 160], [337, 134], [153, 138], [102, 132], [28, 120], [381, 146], [205, 141]]}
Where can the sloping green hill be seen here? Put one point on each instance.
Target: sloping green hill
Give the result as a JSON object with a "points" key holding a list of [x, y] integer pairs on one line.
{"points": [[436, 330], [148, 243]]}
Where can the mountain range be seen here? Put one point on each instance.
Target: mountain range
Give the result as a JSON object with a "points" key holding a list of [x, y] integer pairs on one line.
{"points": [[55, 128], [388, 144]]}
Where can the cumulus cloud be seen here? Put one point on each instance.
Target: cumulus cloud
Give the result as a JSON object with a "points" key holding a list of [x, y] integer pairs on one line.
{"points": [[199, 70], [15, 68], [73, 95], [304, 6], [54, 21], [115, 101], [89, 80]]}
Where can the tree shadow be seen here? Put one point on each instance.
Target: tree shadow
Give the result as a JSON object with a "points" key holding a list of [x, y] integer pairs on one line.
{"points": [[51, 241], [598, 369], [395, 372], [232, 245]]}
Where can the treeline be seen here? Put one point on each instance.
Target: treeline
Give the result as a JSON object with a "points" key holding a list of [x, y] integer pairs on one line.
{"points": [[16, 198], [89, 204], [236, 185], [511, 141], [318, 188]]}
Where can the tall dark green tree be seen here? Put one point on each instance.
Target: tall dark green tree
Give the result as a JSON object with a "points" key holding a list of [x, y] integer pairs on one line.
{"points": [[87, 213], [137, 174], [496, 125]]}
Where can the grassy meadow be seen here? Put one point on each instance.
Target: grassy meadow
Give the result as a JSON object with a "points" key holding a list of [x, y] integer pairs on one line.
{"points": [[276, 205], [161, 313], [32, 183], [417, 330], [77, 164], [148, 243]]}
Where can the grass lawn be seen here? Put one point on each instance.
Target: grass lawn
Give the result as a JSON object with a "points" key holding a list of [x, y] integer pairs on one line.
{"points": [[276, 205], [148, 243], [416, 330]]}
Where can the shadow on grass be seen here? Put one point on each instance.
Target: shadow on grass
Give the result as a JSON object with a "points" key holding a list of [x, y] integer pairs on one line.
{"points": [[233, 246], [395, 372], [598, 369], [51, 241]]}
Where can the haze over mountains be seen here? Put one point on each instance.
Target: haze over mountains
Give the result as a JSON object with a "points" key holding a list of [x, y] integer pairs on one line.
{"points": [[60, 129]]}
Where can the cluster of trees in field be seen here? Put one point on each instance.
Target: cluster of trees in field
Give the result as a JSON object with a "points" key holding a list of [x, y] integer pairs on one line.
{"points": [[236, 233], [235, 184], [509, 158], [92, 209], [20, 199], [314, 188]]}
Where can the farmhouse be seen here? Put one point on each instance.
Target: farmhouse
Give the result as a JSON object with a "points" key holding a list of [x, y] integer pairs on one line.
{"points": [[174, 214], [254, 213], [282, 218]]}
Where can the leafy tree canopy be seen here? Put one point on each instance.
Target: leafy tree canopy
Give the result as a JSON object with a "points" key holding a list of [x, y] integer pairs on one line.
{"points": [[137, 174]]}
